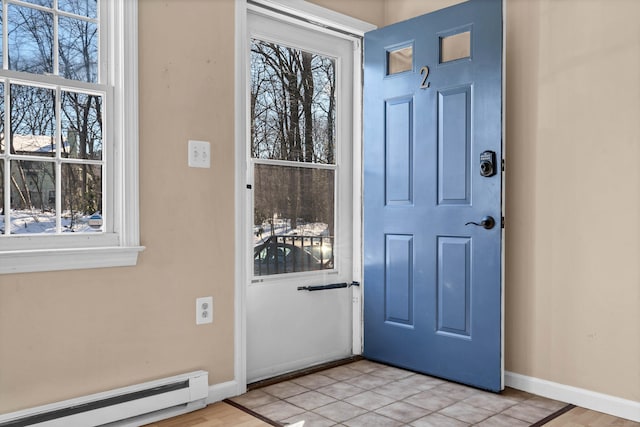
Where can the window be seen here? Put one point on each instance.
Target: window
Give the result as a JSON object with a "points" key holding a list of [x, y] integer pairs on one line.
{"points": [[293, 151], [455, 46], [68, 134], [400, 60]]}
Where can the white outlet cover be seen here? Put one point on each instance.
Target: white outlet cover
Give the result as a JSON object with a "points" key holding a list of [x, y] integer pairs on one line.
{"points": [[204, 310], [199, 154]]}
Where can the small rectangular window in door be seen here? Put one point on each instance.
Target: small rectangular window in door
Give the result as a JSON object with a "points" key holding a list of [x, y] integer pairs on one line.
{"points": [[454, 47], [400, 60]]}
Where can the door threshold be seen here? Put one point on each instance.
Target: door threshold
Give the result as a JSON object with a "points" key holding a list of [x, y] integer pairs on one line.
{"points": [[252, 413], [302, 372]]}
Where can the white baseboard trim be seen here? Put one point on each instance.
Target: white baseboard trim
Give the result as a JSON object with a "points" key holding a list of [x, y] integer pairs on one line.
{"points": [[218, 392], [600, 402]]}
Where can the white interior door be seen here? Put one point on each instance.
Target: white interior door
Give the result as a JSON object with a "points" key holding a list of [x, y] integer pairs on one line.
{"points": [[299, 201]]}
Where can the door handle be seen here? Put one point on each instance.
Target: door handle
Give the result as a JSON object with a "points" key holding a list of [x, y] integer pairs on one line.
{"points": [[325, 287], [486, 222]]}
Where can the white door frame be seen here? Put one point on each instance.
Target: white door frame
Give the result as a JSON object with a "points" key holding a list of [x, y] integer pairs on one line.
{"points": [[315, 17]]}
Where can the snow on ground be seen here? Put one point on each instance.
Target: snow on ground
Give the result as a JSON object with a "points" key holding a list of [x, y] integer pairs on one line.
{"points": [[37, 222], [283, 228]]}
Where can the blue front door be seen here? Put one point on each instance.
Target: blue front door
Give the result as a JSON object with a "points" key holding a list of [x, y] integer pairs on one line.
{"points": [[432, 194]]}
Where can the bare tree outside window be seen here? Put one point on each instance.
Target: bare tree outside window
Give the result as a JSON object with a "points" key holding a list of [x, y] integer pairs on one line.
{"points": [[53, 144], [293, 149]]}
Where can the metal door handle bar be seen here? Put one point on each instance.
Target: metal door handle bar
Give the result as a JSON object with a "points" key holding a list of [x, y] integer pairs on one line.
{"points": [[325, 287]]}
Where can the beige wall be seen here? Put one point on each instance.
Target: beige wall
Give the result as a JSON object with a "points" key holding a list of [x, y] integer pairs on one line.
{"points": [[573, 195], [67, 334], [371, 11], [573, 276], [399, 10]]}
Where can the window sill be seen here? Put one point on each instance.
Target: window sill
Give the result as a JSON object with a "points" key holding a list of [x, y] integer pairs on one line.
{"points": [[27, 261]]}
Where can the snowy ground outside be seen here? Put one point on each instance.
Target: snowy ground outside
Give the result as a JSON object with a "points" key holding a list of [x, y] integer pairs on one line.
{"points": [[37, 222], [283, 228]]}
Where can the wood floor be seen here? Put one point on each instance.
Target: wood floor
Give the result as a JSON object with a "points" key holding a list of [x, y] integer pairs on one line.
{"points": [[217, 415], [221, 414], [579, 417]]}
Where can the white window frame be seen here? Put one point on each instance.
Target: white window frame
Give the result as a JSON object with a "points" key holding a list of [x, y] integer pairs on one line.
{"points": [[120, 245]]}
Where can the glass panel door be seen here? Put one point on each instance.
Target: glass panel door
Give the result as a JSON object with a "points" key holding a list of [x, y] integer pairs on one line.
{"points": [[299, 215], [293, 146]]}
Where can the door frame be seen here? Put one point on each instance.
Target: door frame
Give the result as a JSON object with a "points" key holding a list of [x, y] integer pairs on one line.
{"points": [[316, 17]]}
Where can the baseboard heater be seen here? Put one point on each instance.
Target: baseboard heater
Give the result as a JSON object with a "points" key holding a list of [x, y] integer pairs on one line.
{"points": [[129, 406]]}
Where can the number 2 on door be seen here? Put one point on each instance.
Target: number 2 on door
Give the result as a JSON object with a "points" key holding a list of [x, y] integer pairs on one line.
{"points": [[425, 72]]}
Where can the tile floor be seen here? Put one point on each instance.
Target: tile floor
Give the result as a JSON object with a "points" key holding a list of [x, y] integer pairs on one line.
{"points": [[365, 393]]}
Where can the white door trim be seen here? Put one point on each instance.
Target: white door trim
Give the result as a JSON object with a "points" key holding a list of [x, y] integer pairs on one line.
{"points": [[240, 114], [338, 24], [317, 16]]}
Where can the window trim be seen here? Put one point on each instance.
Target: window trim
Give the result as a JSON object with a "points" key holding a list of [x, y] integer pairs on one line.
{"points": [[120, 248]]}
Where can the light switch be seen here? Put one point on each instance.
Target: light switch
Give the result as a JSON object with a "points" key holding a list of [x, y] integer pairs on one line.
{"points": [[199, 154]]}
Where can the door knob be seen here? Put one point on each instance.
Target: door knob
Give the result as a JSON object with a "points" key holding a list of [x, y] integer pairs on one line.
{"points": [[486, 222]]}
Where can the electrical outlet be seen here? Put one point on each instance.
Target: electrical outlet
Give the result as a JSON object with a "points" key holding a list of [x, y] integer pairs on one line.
{"points": [[199, 154], [204, 310]]}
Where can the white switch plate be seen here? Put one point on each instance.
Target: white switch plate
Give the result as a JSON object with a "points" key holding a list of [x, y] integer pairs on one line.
{"points": [[204, 310], [199, 154]]}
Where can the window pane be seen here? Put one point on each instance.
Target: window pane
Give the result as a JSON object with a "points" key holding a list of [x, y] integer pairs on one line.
{"points": [[293, 219], [80, 7], [32, 207], [45, 3], [30, 35], [81, 126], [454, 47], [292, 104], [78, 41], [81, 197], [400, 60], [33, 121]]}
